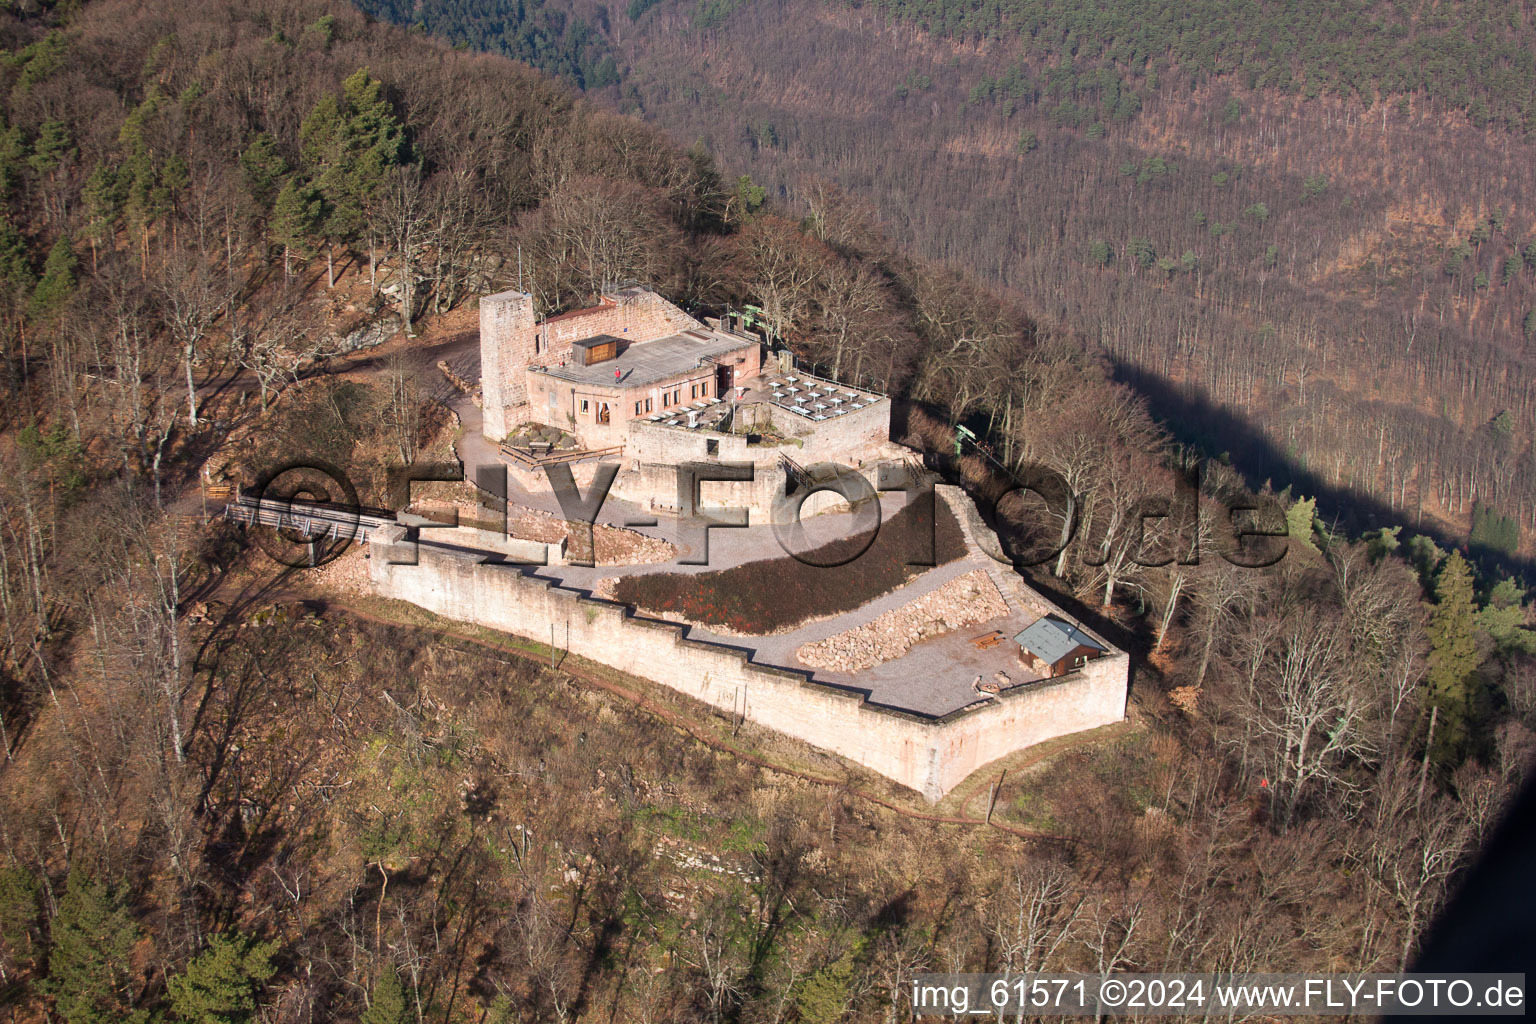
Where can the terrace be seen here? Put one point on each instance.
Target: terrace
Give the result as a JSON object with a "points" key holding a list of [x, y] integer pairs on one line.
{"points": [[708, 414], [811, 398], [803, 396]]}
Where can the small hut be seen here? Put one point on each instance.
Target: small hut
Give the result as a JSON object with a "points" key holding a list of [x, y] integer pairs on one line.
{"points": [[1053, 647]]}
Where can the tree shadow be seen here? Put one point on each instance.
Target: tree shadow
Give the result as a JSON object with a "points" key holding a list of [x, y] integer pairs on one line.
{"points": [[1218, 432]]}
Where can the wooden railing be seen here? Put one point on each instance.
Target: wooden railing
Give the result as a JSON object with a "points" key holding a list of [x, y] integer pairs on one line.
{"points": [[531, 459], [314, 520]]}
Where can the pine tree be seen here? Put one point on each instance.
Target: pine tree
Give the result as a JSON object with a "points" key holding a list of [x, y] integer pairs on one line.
{"points": [[15, 265], [20, 913], [93, 936], [295, 216], [1452, 683], [348, 145], [262, 168], [53, 147], [749, 198], [220, 985], [58, 281], [823, 999], [103, 198], [1299, 520], [387, 1001], [13, 152]]}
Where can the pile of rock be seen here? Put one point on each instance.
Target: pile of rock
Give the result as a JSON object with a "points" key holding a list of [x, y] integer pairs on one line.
{"points": [[963, 601], [618, 546]]}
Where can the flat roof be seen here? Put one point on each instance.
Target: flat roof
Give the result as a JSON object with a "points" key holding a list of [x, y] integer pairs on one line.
{"points": [[810, 397], [648, 362]]}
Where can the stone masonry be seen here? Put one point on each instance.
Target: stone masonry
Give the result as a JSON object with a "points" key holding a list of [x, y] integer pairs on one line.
{"points": [[929, 755], [963, 601], [512, 338]]}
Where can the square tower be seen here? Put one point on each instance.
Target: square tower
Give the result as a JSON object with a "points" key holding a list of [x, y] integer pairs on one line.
{"points": [[508, 335]]}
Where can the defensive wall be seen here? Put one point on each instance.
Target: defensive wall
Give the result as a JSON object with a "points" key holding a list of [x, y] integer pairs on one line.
{"points": [[929, 755], [858, 441], [512, 338]]}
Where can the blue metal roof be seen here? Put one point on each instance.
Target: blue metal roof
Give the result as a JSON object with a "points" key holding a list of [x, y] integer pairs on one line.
{"points": [[1051, 639]]}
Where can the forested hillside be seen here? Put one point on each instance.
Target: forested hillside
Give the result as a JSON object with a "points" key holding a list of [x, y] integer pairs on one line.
{"points": [[229, 792], [1300, 229]]}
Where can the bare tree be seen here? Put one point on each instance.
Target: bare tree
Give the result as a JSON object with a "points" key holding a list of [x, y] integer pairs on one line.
{"points": [[401, 207], [192, 302]]}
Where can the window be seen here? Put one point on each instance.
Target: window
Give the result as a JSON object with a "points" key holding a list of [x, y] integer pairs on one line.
{"points": [[583, 405], [677, 396], [693, 391], [647, 405], [704, 390], [711, 446]]}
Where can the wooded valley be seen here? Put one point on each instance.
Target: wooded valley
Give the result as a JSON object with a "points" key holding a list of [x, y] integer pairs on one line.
{"points": [[1299, 229]]}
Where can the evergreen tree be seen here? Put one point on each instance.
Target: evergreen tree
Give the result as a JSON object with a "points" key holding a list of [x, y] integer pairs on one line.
{"points": [[103, 198], [1382, 542], [1452, 684], [221, 984], [15, 265], [1299, 520], [13, 151], [823, 999], [58, 282], [262, 168], [1494, 531], [20, 913], [1142, 251], [749, 198], [348, 145], [52, 147], [387, 1001], [1426, 556], [1503, 619], [145, 197], [295, 217], [92, 938]]}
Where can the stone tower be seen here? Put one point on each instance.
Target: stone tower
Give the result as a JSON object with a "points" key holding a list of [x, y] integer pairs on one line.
{"points": [[508, 332]]}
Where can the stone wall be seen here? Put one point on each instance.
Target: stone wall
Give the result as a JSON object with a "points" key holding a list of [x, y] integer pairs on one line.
{"points": [[654, 451], [928, 755], [511, 339], [850, 439], [634, 315], [859, 440]]}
